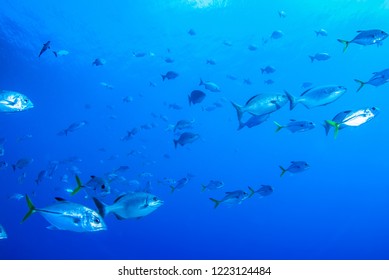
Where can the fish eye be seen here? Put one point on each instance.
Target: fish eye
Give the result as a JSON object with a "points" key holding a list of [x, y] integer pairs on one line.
{"points": [[155, 198], [96, 220], [103, 187]]}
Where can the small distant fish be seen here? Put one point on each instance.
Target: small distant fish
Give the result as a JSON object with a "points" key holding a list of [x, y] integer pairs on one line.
{"points": [[366, 37], [138, 54], [281, 14], [186, 138], [354, 118], [196, 96], [247, 82], [268, 69], [106, 85], [184, 124], [152, 84], [253, 121], [231, 198], [211, 62], [321, 32], [296, 126], [179, 184], [73, 127], [99, 62], [317, 96], [60, 53], [97, 186], [45, 47], [121, 169], [16, 196], [210, 86], [128, 99], [3, 165], [209, 108], [12, 101], [65, 179], [191, 32], [376, 80], [252, 47], [227, 43], [66, 215], [130, 206], [277, 34], [269, 82], [24, 137], [295, 167], [22, 178], [146, 175], [22, 163], [130, 134], [169, 60], [41, 175], [264, 190], [320, 57], [231, 77], [3, 234], [170, 75], [213, 185], [175, 106]]}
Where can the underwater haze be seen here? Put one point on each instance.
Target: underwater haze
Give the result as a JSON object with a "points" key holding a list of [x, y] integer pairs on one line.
{"points": [[177, 107]]}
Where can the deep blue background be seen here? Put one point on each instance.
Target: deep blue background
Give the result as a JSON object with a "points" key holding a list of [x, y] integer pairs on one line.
{"points": [[338, 209]]}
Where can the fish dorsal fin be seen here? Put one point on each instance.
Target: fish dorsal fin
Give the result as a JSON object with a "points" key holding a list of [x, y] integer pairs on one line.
{"points": [[60, 199], [93, 176], [305, 92], [118, 217], [248, 101], [359, 31], [119, 197]]}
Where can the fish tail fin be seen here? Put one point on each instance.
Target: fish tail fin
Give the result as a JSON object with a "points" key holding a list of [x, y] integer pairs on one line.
{"points": [[172, 189], [201, 82], [14, 167], [163, 77], [217, 202], [335, 125], [291, 99], [262, 70], [317, 33], [361, 84], [239, 110], [283, 171], [79, 186], [252, 192], [203, 187], [55, 53], [189, 100], [241, 125], [175, 143], [279, 127], [345, 43], [102, 207], [31, 209], [326, 127], [312, 58]]}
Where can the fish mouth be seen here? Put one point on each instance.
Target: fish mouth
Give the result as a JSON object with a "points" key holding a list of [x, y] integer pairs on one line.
{"points": [[156, 203]]}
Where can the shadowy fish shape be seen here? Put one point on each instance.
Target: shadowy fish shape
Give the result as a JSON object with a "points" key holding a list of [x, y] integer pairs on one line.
{"points": [[22, 163], [261, 104], [212, 185], [317, 96], [264, 190], [99, 62], [184, 124], [355, 118], [321, 32], [12, 101], [130, 205], [170, 75], [376, 80], [73, 127], [268, 70], [295, 167], [366, 37], [60, 53], [3, 234], [179, 184], [210, 86], [66, 215], [253, 121], [320, 57], [195, 97], [45, 47], [186, 138], [41, 175], [296, 126], [231, 198], [96, 186]]}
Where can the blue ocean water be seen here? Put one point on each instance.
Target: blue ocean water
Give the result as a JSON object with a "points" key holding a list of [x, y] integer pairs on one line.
{"points": [[336, 209]]}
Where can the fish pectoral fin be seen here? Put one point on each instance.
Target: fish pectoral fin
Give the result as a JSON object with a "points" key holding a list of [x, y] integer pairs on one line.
{"points": [[118, 217]]}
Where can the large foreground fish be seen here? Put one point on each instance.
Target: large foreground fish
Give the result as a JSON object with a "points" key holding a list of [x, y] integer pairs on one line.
{"points": [[12, 101], [130, 205], [66, 215]]}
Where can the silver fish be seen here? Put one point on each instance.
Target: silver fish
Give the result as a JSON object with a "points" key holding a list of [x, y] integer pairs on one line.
{"points": [[295, 167], [235, 197], [366, 37], [130, 205], [65, 215], [317, 96], [210, 86], [12, 101], [96, 186], [264, 190], [320, 56], [186, 138], [213, 185], [296, 126]]}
